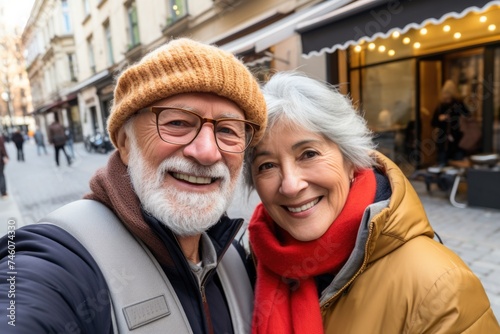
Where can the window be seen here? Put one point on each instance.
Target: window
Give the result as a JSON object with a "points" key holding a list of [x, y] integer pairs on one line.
{"points": [[177, 10], [90, 49], [86, 7], [133, 25], [387, 100], [109, 43], [66, 17], [72, 68]]}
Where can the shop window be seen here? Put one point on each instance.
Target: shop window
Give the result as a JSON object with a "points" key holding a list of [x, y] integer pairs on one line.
{"points": [[465, 69], [387, 101]]}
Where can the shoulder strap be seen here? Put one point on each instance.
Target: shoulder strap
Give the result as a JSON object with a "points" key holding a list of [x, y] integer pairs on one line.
{"points": [[143, 300], [237, 289]]}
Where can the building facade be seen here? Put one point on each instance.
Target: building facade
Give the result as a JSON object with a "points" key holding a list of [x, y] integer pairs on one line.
{"points": [[15, 91], [77, 48], [390, 56], [51, 63]]}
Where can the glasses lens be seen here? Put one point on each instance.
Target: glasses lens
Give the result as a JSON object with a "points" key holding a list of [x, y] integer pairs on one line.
{"points": [[233, 135], [177, 126]]}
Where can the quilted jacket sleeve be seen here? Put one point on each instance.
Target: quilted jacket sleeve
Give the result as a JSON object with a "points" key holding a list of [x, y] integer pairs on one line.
{"points": [[456, 303], [49, 283]]}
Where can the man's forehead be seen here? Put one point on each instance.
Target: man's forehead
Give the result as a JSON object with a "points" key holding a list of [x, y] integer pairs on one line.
{"points": [[200, 102]]}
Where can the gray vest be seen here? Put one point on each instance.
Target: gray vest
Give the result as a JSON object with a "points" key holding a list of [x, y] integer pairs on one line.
{"points": [[142, 298]]}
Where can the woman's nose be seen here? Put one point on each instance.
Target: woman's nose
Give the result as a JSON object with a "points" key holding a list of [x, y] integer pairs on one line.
{"points": [[292, 182]]}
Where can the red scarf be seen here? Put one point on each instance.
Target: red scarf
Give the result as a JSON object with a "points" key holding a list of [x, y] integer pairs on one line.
{"points": [[286, 297]]}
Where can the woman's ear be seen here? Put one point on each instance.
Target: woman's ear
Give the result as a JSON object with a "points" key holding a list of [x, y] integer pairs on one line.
{"points": [[123, 142]]}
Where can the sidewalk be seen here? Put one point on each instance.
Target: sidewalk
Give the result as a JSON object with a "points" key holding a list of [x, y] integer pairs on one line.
{"points": [[38, 186], [9, 214]]}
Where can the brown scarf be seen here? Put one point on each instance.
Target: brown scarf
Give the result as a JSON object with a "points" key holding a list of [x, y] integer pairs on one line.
{"points": [[111, 185]]}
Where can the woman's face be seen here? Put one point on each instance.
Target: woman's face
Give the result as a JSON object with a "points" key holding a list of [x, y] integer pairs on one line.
{"points": [[302, 180]]}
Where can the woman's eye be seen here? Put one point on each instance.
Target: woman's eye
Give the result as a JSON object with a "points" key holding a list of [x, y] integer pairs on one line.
{"points": [[265, 166], [309, 154]]}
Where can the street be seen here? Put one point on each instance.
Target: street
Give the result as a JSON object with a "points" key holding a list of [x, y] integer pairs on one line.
{"points": [[37, 186]]}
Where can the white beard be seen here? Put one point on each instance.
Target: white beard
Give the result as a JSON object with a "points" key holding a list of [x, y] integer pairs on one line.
{"points": [[185, 213]]}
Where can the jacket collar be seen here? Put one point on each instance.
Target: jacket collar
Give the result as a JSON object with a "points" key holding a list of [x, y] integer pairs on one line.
{"points": [[221, 234], [385, 226]]}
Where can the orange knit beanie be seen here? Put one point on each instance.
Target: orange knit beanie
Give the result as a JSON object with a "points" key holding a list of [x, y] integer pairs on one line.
{"points": [[186, 66]]}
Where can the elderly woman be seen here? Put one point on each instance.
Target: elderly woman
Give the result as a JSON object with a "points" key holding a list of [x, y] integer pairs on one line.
{"points": [[341, 240]]}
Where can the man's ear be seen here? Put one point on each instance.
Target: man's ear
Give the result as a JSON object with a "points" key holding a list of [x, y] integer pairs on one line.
{"points": [[123, 142]]}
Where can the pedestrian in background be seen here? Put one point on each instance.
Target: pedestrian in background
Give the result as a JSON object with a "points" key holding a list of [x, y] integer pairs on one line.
{"points": [[4, 159], [446, 121], [69, 142], [341, 240], [18, 139], [57, 137], [40, 141]]}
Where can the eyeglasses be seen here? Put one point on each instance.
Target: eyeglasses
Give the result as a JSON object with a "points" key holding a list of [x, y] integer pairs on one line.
{"points": [[180, 127]]}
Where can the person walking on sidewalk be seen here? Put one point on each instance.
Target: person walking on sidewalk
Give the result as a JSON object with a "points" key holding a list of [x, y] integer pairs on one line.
{"points": [[181, 120], [69, 142], [18, 139], [4, 159], [40, 141], [57, 137]]}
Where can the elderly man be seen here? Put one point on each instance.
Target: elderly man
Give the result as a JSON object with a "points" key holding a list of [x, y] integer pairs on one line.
{"points": [[158, 256]]}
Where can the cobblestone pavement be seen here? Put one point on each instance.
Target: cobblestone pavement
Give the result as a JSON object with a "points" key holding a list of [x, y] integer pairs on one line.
{"points": [[37, 186]]}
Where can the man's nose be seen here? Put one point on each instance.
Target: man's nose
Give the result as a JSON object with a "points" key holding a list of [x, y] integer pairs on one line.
{"points": [[203, 148]]}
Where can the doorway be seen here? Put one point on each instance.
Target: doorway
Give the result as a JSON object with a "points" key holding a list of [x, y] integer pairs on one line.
{"points": [[465, 69]]}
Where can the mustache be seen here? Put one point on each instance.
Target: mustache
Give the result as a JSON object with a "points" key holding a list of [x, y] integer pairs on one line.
{"points": [[184, 166]]}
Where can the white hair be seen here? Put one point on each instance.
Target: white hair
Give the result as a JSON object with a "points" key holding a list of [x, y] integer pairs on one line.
{"points": [[296, 99]]}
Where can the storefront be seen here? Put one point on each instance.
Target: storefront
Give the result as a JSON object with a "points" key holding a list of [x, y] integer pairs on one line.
{"points": [[396, 55]]}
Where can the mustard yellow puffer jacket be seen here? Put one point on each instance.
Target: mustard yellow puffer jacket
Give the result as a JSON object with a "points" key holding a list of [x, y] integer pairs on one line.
{"points": [[403, 281]]}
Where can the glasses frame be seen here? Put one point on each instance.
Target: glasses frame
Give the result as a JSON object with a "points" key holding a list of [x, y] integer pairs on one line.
{"points": [[158, 109]]}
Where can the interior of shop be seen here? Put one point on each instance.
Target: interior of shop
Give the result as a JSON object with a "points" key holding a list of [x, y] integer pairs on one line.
{"points": [[397, 83]]}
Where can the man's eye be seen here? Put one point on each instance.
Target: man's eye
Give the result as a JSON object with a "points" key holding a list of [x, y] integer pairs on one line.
{"points": [[176, 123]]}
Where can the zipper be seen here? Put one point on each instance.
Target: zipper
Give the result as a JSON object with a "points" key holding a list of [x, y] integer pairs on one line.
{"points": [[361, 269], [211, 273], [206, 309]]}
